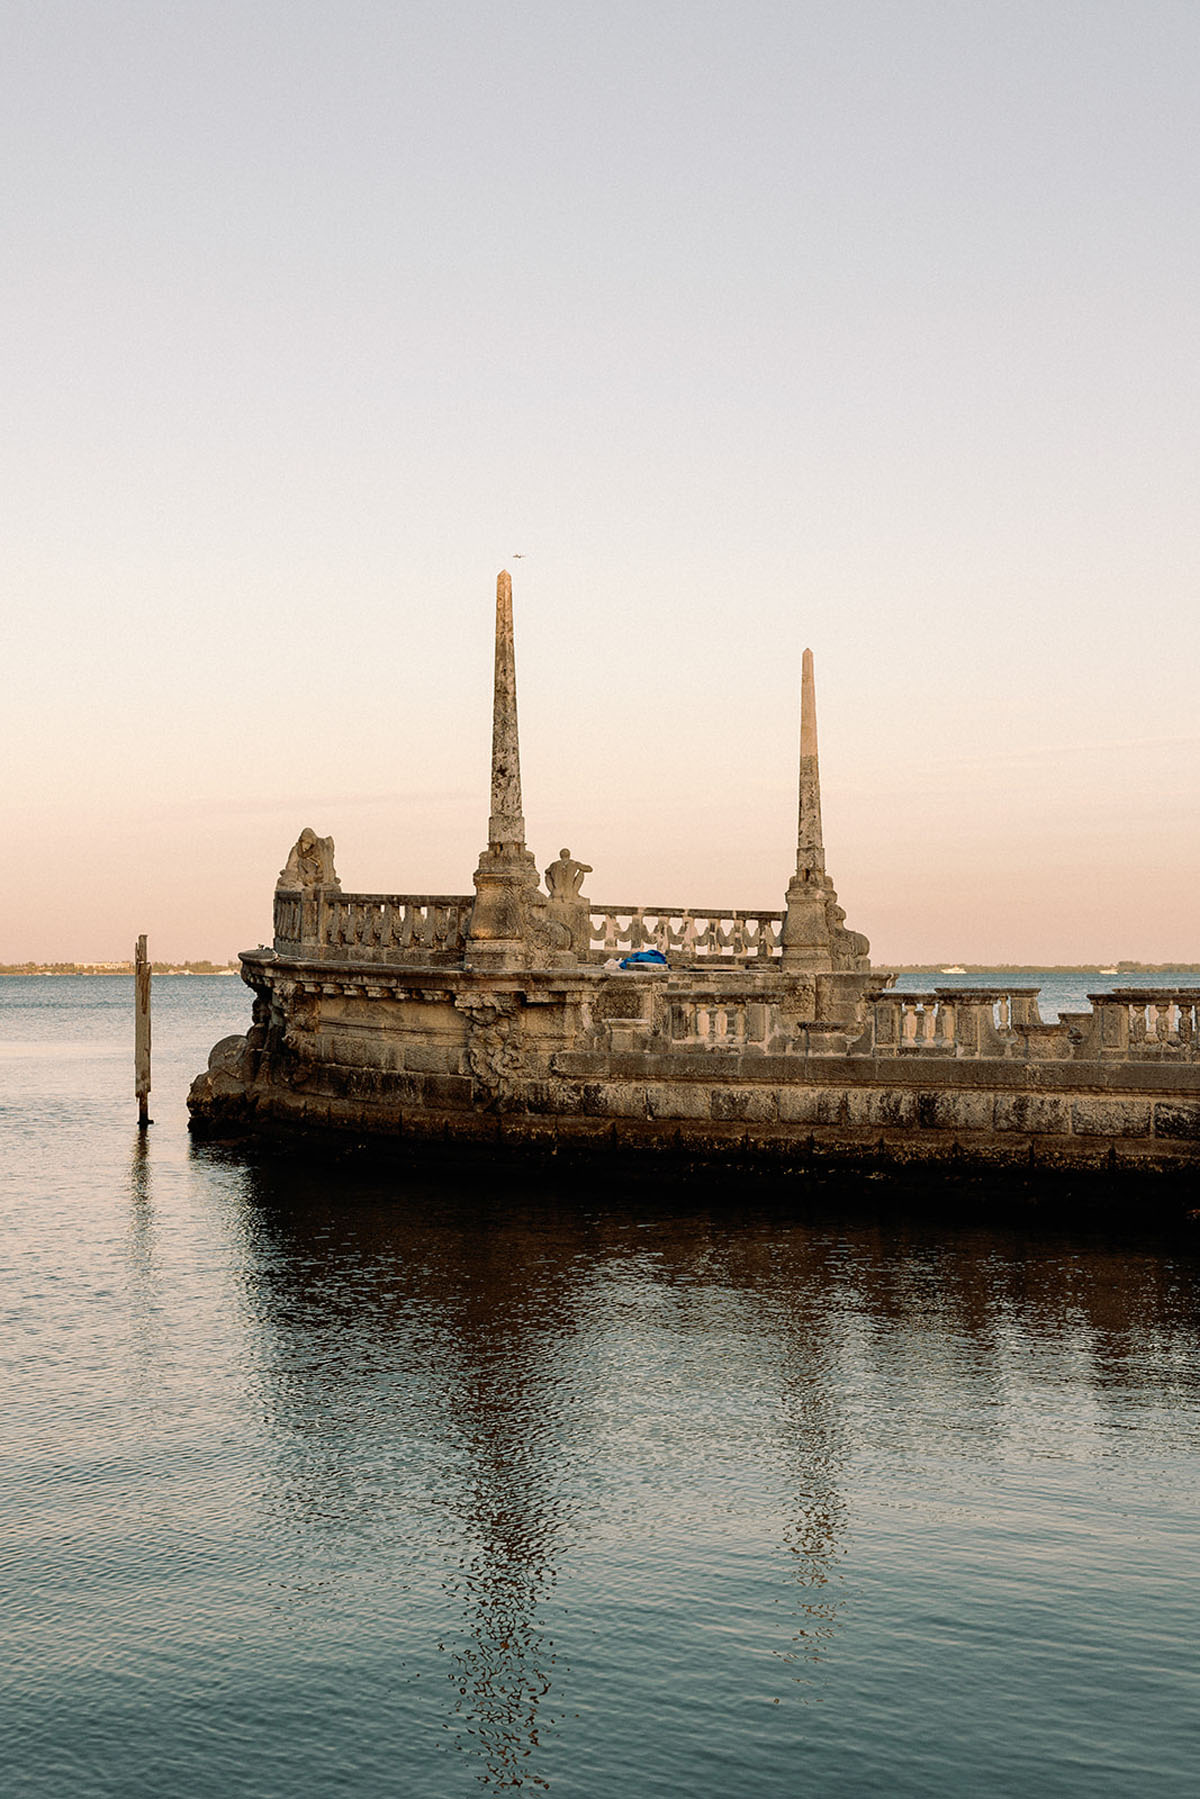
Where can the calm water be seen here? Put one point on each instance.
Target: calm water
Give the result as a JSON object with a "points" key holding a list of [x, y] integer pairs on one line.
{"points": [[326, 1482], [1059, 992]]}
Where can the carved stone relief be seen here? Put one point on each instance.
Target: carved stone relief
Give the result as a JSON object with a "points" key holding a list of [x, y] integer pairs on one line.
{"points": [[495, 1057]]}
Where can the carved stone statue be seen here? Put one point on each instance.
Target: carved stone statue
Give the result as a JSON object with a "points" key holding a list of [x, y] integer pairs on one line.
{"points": [[309, 864], [851, 951], [564, 878], [567, 906]]}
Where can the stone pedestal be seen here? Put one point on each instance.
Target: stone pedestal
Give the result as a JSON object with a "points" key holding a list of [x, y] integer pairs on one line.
{"points": [[505, 929], [805, 936]]}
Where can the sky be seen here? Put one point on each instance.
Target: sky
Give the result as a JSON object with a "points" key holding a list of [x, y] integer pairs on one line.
{"points": [[867, 326]]}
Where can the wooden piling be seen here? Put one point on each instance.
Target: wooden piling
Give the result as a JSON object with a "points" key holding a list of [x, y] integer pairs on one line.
{"points": [[141, 1034]]}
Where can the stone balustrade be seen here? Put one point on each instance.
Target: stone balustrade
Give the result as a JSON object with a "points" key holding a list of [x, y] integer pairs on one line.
{"points": [[1127, 1024], [327, 925], [726, 1021], [1144, 1024], [964, 1021], [686, 933]]}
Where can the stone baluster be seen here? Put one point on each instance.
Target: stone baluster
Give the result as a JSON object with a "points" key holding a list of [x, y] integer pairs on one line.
{"points": [[889, 1023], [1023, 1009], [288, 919], [969, 1035], [944, 1037], [1114, 1033], [324, 922]]}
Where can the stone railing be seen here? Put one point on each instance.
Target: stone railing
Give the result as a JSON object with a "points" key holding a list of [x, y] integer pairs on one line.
{"points": [[1142, 1024], [327, 925], [686, 933], [965, 1021], [730, 1021], [1129, 1024]]}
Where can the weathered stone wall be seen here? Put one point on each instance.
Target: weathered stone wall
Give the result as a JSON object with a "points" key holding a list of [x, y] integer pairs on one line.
{"points": [[573, 1059]]}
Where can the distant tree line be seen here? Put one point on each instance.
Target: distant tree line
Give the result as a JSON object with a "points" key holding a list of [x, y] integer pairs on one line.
{"points": [[116, 968], [1039, 967]]}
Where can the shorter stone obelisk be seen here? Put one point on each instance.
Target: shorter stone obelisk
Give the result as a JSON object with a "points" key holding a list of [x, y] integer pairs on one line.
{"points": [[807, 941], [506, 880]]}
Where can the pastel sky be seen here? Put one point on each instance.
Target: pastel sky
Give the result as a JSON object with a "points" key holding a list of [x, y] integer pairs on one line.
{"points": [[868, 325]]}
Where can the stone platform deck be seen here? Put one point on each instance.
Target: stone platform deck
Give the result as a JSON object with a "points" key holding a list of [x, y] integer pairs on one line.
{"points": [[703, 1066]]}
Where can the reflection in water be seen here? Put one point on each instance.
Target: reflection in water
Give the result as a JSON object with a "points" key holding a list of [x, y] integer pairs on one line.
{"points": [[422, 1371], [142, 1274], [811, 1331], [320, 1481], [507, 1372], [485, 1392]]}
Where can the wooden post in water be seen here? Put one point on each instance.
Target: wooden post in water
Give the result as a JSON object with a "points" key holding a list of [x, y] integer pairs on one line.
{"points": [[141, 1032]]}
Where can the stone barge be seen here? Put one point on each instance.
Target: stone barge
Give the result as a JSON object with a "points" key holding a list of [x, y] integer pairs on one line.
{"points": [[511, 1018]]}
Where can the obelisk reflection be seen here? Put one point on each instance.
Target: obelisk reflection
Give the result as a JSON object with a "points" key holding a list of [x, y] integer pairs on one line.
{"points": [[417, 1370]]}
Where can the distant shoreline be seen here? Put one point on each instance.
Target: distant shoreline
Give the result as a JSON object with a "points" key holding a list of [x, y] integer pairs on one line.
{"points": [[70, 970], [89, 969], [1007, 968]]}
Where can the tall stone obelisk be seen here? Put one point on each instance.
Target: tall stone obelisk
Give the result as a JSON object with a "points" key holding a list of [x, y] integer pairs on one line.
{"points": [[810, 846], [506, 881], [807, 940], [506, 826]]}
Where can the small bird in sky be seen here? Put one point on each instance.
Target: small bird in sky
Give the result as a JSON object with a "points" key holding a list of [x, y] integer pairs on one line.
{"points": [[518, 555]]}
